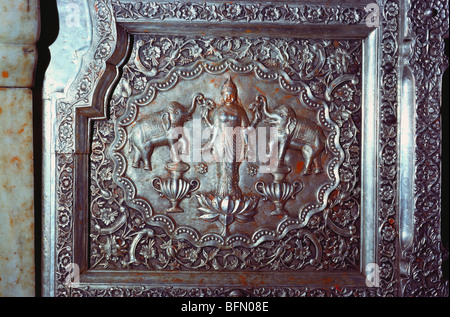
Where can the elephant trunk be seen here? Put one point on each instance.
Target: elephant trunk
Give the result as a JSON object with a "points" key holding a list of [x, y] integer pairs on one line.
{"points": [[266, 111], [191, 109], [270, 118]]}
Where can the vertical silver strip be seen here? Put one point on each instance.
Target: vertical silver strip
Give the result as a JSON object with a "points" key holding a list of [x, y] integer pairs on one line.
{"points": [[406, 159], [48, 199], [406, 140], [369, 136]]}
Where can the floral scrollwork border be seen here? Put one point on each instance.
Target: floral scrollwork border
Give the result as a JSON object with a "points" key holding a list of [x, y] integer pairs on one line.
{"points": [[429, 25], [82, 91], [387, 183], [240, 11]]}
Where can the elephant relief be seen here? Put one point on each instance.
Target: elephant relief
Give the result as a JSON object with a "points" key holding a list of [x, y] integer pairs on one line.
{"points": [[156, 129], [296, 133]]}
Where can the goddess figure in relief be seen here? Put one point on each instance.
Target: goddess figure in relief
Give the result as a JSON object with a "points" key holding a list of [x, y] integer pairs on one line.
{"points": [[229, 140]]}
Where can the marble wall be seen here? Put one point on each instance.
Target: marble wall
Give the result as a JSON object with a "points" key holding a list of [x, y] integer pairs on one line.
{"points": [[19, 31]]}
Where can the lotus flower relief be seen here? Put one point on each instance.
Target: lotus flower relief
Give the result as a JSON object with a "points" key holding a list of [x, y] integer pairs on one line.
{"points": [[227, 209]]}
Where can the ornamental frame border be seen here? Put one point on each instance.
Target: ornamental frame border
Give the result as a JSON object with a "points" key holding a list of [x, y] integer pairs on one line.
{"points": [[407, 195]]}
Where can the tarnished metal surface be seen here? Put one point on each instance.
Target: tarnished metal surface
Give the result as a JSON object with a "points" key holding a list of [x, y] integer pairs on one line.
{"points": [[274, 148]]}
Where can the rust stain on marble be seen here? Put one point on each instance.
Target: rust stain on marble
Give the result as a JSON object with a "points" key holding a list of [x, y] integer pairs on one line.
{"points": [[27, 50], [15, 159], [20, 21], [17, 66], [20, 29], [16, 193]]}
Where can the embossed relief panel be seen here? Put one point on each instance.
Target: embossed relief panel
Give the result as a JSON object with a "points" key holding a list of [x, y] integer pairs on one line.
{"points": [[271, 146], [265, 174]]}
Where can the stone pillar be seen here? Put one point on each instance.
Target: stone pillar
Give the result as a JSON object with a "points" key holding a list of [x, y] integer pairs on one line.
{"points": [[19, 31]]}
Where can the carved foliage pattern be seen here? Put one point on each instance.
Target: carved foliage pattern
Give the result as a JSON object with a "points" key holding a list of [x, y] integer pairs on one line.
{"points": [[65, 144], [428, 60], [388, 151], [240, 11], [223, 292], [64, 220]]}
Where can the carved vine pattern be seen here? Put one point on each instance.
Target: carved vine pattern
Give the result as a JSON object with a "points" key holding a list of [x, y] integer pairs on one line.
{"points": [[388, 150], [223, 292], [65, 142], [240, 11], [428, 61], [64, 220]]}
